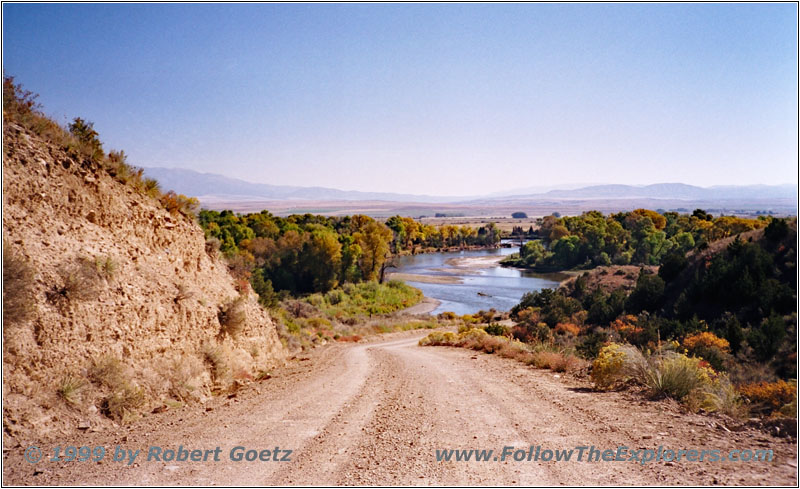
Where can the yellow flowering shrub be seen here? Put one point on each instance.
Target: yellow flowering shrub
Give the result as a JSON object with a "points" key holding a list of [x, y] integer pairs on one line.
{"points": [[615, 364], [438, 338]]}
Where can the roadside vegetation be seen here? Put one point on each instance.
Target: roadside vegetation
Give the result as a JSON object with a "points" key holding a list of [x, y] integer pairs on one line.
{"points": [[714, 328], [348, 313]]}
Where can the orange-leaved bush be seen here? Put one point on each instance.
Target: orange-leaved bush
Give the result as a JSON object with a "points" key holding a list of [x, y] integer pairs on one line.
{"points": [[769, 396]]}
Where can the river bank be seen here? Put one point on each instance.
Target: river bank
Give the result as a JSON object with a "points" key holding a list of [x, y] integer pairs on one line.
{"points": [[425, 306], [418, 250], [466, 282]]}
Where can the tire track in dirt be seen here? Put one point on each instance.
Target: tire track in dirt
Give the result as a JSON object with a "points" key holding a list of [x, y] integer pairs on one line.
{"points": [[374, 413]]}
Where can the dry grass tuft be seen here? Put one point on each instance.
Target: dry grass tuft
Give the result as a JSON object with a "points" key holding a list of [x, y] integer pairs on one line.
{"points": [[18, 291], [78, 281], [233, 317], [539, 355], [70, 389], [125, 396]]}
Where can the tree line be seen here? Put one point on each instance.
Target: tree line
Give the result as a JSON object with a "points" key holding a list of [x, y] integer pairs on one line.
{"points": [[641, 236], [745, 293], [310, 253]]}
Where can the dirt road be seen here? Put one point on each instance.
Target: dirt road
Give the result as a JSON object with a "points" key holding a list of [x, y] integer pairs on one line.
{"points": [[375, 413]]}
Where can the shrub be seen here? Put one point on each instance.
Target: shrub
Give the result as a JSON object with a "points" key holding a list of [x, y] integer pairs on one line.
{"points": [[675, 375], [495, 329], [233, 317], [184, 377], [468, 319], [531, 332], [117, 166], [79, 281], [318, 323], [178, 203], [616, 364], [705, 339], [18, 291], [218, 359], [89, 146], [721, 396], [212, 246], [335, 296], [439, 338], [20, 106], [106, 266], [767, 397], [125, 396], [568, 328], [70, 389], [709, 347], [555, 361], [447, 316], [590, 345], [107, 371], [17, 101], [151, 188], [123, 401]]}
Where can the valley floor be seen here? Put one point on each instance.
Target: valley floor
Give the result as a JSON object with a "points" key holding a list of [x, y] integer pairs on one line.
{"points": [[376, 412]]}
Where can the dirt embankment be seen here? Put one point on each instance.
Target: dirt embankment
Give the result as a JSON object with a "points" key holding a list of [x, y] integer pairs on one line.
{"points": [[117, 279], [375, 414]]}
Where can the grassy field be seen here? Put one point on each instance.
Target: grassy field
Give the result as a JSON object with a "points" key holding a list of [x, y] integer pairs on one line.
{"points": [[505, 224]]}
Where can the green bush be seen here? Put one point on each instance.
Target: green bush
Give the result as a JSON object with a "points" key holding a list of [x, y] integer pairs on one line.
{"points": [[647, 295], [776, 230], [591, 344], [495, 329], [89, 146]]}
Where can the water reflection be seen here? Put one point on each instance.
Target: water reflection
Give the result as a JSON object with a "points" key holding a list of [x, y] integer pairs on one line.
{"points": [[477, 288]]}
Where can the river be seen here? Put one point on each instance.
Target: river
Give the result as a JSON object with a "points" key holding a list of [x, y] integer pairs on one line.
{"points": [[466, 282]]}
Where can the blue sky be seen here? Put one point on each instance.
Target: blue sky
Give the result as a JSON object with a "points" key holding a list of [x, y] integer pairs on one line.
{"points": [[439, 99]]}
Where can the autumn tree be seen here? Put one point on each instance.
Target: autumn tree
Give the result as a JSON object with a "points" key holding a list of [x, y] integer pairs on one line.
{"points": [[373, 239]]}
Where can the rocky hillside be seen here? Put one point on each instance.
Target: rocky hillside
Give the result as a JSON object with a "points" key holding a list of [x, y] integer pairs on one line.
{"points": [[119, 307]]}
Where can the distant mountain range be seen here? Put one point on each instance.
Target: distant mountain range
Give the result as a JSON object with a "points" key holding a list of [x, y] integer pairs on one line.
{"points": [[213, 187], [209, 187], [671, 191]]}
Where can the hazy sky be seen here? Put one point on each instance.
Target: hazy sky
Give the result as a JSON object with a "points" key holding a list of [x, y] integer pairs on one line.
{"points": [[439, 99]]}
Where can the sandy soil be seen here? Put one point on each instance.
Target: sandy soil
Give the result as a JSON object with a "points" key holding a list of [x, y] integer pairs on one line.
{"points": [[425, 306], [425, 279], [475, 262], [374, 413]]}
